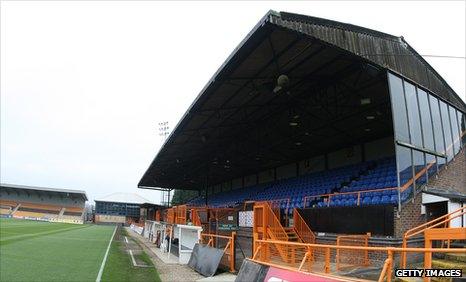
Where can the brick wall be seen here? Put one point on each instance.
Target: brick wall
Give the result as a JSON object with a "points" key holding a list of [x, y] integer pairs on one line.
{"points": [[410, 216], [452, 177]]}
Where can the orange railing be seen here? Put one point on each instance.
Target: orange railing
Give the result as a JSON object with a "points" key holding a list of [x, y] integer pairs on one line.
{"points": [[195, 217], [267, 226], [171, 215], [442, 221], [353, 257], [359, 193], [302, 229], [181, 214], [276, 204], [302, 258], [227, 243]]}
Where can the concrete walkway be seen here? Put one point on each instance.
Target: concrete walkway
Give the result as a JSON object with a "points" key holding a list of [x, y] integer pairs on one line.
{"points": [[169, 271]]}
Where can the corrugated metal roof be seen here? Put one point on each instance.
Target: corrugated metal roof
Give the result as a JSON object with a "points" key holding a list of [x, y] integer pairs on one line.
{"points": [[385, 50], [44, 189], [129, 198]]}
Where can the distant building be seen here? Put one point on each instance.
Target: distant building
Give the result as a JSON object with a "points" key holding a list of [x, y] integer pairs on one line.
{"points": [[119, 208]]}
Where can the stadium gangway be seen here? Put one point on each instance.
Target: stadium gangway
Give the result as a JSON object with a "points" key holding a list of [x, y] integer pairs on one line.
{"points": [[443, 220], [304, 256]]}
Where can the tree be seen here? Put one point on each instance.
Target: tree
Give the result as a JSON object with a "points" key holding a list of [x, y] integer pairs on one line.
{"points": [[182, 196]]}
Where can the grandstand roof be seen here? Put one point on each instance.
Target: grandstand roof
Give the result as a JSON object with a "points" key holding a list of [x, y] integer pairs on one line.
{"points": [[242, 122], [129, 198], [79, 193]]}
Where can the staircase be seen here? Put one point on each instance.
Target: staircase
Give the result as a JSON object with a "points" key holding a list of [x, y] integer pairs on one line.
{"points": [[15, 209], [292, 235], [62, 211]]}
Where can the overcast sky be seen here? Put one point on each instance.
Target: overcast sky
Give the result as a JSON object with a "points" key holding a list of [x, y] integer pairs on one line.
{"points": [[84, 84]]}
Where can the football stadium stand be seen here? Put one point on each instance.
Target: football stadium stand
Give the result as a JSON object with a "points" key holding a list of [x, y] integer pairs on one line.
{"points": [[39, 203], [310, 136]]}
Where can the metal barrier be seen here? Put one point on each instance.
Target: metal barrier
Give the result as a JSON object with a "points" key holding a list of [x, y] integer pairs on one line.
{"points": [[352, 257], [318, 258], [227, 243], [276, 204], [302, 229], [171, 215], [442, 221], [181, 214]]}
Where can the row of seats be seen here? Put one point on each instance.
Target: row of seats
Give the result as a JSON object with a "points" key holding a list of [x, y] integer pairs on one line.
{"points": [[367, 176], [318, 183], [371, 198], [44, 211]]}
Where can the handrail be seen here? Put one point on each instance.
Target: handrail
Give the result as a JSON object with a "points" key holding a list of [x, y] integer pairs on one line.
{"points": [[387, 266], [444, 219], [273, 222], [358, 193], [262, 254], [302, 228], [277, 210]]}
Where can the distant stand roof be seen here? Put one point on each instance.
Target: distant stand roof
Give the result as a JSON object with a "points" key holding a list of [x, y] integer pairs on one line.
{"points": [[45, 189], [129, 198]]}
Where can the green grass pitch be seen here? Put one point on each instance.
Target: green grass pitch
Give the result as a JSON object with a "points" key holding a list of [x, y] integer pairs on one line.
{"points": [[43, 251]]}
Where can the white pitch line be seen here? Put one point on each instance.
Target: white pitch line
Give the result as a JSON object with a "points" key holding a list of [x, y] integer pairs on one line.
{"points": [[132, 258], [101, 270]]}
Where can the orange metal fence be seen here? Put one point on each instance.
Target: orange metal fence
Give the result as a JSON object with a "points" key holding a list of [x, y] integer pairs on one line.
{"points": [[302, 229], [442, 221], [320, 258], [352, 257], [227, 243], [181, 214], [171, 215], [276, 204]]}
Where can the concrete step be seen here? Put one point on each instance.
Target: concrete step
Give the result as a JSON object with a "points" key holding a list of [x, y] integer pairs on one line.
{"points": [[444, 263], [456, 257], [409, 279]]}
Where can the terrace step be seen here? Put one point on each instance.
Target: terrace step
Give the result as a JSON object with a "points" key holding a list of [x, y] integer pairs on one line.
{"points": [[446, 263], [456, 257]]}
